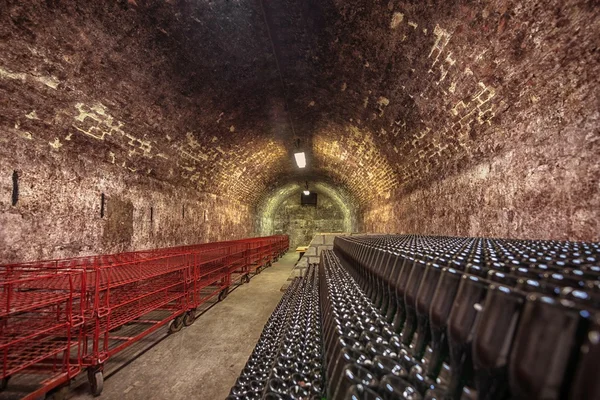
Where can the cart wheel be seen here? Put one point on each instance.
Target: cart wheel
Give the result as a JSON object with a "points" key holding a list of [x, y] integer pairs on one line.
{"points": [[96, 380], [189, 318], [223, 294], [176, 325], [246, 278], [4, 383]]}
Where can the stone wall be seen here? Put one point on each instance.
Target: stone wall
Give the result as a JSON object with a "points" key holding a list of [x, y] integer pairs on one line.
{"points": [[135, 100], [301, 223], [335, 196], [519, 194], [58, 212], [433, 117], [466, 118]]}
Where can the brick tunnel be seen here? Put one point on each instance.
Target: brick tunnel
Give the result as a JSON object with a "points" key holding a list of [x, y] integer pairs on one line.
{"points": [[145, 124]]}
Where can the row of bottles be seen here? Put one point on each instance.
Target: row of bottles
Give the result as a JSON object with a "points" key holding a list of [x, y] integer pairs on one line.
{"points": [[364, 357], [469, 318], [419, 317], [287, 360]]}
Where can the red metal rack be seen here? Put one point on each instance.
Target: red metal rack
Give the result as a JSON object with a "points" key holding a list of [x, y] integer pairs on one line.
{"points": [[217, 268], [39, 317], [122, 290], [210, 276], [60, 316]]}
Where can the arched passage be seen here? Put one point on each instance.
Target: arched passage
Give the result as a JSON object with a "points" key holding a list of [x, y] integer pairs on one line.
{"points": [[301, 222], [281, 208]]}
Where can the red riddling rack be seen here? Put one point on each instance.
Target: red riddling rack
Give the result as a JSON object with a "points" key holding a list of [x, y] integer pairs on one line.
{"points": [[38, 320], [59, 316]]}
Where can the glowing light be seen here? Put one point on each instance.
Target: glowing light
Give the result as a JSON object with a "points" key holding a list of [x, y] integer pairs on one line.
{"points": [[300, 159], [306, 192]]}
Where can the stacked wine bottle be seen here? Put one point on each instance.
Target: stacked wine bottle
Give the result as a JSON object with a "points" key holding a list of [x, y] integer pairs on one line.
{"points": [[362, 352], [473, 318], [421, 317], [287, 360]]}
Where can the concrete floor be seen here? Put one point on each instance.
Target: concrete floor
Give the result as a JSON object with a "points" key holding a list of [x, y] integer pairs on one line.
{"points": [[203, 360]]}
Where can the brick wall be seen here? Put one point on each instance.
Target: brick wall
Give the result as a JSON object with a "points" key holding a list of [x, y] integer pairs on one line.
{"points": [[279, 211], [129, 99], [466, 118], [58, 213], [303, 222], [429, 117]]}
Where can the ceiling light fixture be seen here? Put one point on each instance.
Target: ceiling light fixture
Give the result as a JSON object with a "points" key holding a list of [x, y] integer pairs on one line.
{"points": [[300, 159], [299, 155]]}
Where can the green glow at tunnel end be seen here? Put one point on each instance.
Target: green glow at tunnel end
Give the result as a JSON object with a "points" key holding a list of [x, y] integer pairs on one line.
{"points": [[267, 207]]}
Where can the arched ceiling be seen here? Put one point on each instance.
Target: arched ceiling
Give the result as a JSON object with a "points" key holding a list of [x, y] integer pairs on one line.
{"points": [[270, 201], [213, 94]]}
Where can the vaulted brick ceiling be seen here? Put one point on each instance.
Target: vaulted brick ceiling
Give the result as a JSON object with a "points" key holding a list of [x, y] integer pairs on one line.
{"points": [[384, 96]]}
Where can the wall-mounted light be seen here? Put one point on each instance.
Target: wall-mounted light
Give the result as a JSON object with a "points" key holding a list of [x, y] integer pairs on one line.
{"points": [[306, 191], [300, 159]]}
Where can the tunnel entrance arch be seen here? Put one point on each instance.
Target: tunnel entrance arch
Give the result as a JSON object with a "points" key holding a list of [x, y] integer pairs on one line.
{"points": [[280, 210]]}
